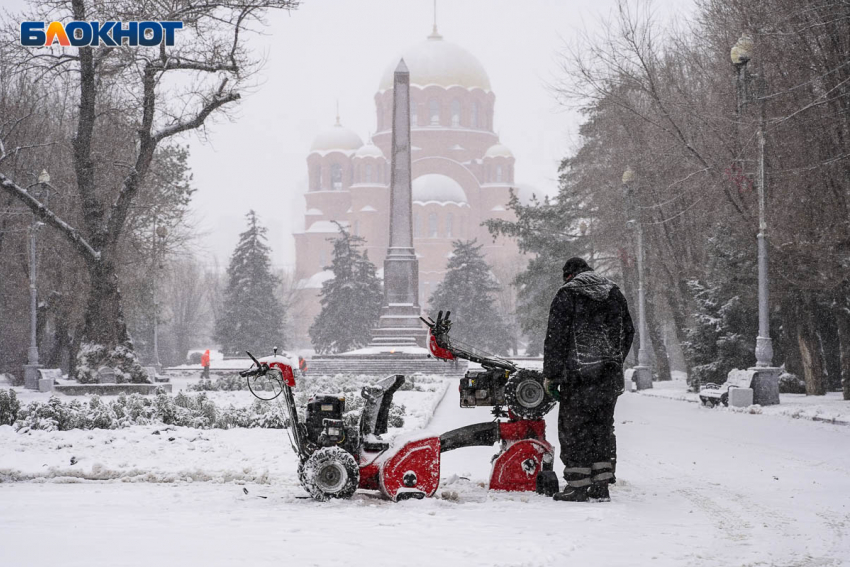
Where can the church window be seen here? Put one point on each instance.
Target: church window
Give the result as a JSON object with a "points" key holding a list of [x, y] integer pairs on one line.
{"points": [[498, 174], [317, 178], [475, 114], [414, 115], [416, 232], [455, 113], [380, 117], [434, 112], [357, 228], [323, 259], [367, 173], [449, 221], [336, 177], [432, 225]]}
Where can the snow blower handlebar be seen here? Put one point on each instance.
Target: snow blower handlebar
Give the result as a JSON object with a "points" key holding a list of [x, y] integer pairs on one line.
{"points": [[440, 331]]}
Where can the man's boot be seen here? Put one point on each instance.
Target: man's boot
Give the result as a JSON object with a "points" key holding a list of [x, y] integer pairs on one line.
{"points": [[601, 475], [578, 481], [599, 491]]}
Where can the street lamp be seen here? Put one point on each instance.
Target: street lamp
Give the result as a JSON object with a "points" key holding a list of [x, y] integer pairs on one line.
{"points": [[31, 375], [160, 232], [641, 374], [765, 375]]}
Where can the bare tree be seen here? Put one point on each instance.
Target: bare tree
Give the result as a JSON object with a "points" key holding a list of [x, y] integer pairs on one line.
{"points": [[158, 93]]}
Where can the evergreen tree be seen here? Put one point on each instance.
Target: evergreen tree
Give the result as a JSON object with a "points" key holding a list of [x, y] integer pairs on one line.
{"points": [[252, 317], [551, 231], [467, 291], [351, 301], [721, 337]]}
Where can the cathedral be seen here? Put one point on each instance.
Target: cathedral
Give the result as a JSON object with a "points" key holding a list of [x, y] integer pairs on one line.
{"points": [[462, 175]]}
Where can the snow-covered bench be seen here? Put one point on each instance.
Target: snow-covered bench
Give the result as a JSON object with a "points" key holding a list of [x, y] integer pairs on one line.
{"points": [[738, 386]]}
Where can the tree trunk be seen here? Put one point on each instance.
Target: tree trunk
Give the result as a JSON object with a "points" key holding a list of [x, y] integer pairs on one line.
{"points": [[105, 339], [810, 347], [790, 345], [104, 323], [828, 332], [655, 329], [842, 319]]}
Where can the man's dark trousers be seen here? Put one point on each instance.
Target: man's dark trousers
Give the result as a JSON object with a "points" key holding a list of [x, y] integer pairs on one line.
{"points": [[586, 425]]}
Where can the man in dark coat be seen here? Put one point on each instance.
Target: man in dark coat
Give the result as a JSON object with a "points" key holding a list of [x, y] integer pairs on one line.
{"points": [[589, 335]]}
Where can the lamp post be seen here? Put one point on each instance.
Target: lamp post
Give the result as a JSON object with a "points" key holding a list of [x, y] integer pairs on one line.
{"points": [[31, 375], [160, 232], [765, 376], [642, 373]]}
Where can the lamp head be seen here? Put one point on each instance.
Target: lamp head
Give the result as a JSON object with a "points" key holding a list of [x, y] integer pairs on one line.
{"points": [[742, 51]]}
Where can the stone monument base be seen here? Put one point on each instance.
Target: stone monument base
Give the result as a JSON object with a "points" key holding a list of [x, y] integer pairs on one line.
{"points": [[384, 361]]}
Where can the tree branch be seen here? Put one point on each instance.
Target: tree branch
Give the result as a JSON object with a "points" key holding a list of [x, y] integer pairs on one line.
{"points": [[218, 100], [46, 215]]}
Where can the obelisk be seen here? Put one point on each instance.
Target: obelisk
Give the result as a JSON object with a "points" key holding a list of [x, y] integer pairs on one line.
{"points": [[400, 324]]}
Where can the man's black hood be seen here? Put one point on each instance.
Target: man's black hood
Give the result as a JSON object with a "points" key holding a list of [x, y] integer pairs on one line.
{"points": [[592, 285]]}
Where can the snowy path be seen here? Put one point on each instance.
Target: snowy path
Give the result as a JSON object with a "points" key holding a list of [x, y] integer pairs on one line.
{"points": [[696, 487]]}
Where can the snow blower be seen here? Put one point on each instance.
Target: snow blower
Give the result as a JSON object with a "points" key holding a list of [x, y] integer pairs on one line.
{"points": [[336, 460]]}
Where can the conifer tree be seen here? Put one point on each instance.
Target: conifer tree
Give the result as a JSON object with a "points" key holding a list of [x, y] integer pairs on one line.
{"points": [[252, 317], [549, 231], [351, 301], [467, 291]]}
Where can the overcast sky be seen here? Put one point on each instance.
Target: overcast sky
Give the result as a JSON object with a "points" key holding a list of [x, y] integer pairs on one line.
{"points": [[331, 50]]}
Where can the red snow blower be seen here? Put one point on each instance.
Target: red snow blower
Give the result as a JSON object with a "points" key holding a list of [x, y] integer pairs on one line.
{"points": [[335, 460]]}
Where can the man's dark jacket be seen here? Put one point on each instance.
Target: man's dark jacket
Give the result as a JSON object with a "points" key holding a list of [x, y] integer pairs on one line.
{"points": [[589, 328]]}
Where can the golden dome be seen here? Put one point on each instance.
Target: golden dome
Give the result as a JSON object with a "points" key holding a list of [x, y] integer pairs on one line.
{"points": [[438, 62]]}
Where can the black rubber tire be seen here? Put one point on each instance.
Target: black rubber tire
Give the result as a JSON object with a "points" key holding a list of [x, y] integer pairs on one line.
{"points": [[330, 472], [724, 399], [525, 396]]}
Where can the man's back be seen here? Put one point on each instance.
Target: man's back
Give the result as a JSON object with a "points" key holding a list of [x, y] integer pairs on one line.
{"points": [[589, 325]]}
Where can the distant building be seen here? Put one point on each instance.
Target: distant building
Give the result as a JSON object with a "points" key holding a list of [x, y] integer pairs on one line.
{"points": [[462, 175]]}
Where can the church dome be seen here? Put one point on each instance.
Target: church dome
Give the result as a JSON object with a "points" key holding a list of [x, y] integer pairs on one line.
{"points": [[369, 150], [336, 137], [436, 188], [438, 62], [498, 150]]}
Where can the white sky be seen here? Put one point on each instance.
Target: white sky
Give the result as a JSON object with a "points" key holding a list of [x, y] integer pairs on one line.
{"points": [[331, 50]]}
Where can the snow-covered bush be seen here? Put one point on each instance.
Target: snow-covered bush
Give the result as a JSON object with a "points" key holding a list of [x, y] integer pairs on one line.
{"points": [[194, 358], [791, 384], [122, 358], [181, 410], [9, 407], [229, 383]]}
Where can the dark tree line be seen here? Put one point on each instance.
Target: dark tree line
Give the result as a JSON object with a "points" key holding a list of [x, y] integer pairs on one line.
{"points": [[664, 103]]}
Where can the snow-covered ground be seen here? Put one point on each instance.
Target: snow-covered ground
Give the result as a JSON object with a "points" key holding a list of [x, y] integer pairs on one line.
{"points": [[696, 487], [831, 408]]}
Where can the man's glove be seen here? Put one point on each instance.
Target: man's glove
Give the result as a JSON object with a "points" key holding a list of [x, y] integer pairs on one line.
{"points": [[552, 389]]}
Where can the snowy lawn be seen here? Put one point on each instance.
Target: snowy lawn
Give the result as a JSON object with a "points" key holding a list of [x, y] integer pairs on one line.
{"points": [[696, 487], [829, 408]]}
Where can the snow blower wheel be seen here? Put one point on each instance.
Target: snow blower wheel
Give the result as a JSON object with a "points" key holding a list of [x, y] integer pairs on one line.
{"points": [[330, 472], [525, 395]]}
